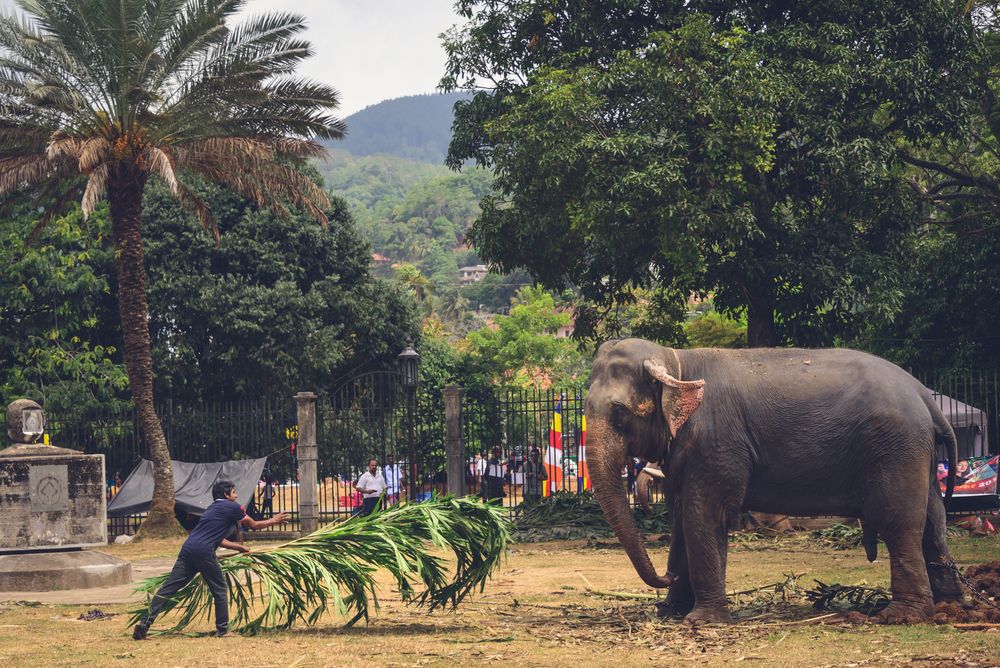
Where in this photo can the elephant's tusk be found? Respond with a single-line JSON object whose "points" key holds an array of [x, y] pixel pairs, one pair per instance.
{"points": [[655, 472]]}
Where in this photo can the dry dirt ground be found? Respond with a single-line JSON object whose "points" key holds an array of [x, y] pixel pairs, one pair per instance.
{"points": [[552, 604]]}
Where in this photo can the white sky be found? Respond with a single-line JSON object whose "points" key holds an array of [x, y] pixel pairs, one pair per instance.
{"points": [[369, 50]]}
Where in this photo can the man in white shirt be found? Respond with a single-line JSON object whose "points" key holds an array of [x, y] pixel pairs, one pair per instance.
{"points": [[393, 473], [480, 470], [371, 484]]}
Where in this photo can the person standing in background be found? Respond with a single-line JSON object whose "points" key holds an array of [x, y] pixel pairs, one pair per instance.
{"points": [[393, 474], [371, 484]]}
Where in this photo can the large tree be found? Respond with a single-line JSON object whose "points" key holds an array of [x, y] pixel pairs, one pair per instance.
{"points": [[98, 96], [278, 306], [743, 148]]}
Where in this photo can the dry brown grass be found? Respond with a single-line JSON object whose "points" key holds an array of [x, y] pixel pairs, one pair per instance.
{"points": [[536, 611]]}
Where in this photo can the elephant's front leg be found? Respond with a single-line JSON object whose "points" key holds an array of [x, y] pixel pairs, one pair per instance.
{"points": [[680, 596], [705, 537]]}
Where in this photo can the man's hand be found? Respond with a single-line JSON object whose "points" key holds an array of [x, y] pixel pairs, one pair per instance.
{"points": [[280, 517], [230, 545]]}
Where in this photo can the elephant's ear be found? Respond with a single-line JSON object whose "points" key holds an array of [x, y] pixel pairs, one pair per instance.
{"points": [[680, 398]]}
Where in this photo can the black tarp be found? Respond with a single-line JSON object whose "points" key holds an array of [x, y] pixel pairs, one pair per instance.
{"points": [[192, 485]]}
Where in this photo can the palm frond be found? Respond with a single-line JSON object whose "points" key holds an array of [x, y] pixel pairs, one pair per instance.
{"points": [[97, 186], [335, 567], [20, 171], [159, 164]]}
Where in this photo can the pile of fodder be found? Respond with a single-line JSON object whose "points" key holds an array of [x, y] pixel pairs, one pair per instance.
{"points": [[838, 536], [570, 516]]}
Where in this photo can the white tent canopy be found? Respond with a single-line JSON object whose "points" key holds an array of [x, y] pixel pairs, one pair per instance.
{"points": [[969, 424]]}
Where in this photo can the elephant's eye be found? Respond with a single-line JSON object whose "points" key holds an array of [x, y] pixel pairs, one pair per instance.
{"points": [[618, 417]]}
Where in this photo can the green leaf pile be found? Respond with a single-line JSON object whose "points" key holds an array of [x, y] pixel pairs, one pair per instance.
{"points": [[335, 567]]}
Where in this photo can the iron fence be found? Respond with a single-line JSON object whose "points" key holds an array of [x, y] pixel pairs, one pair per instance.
{"points": [[374, 417], [195, 433], [971, 403]]}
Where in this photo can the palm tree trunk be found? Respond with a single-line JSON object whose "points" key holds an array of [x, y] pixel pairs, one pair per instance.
{"points": [[125, 190]]}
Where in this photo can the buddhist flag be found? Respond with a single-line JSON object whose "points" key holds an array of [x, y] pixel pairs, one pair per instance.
{"points": [[553, 453], [582, 475]]}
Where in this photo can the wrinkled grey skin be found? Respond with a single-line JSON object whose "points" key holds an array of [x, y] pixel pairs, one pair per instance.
{"points": [[797, 432]]}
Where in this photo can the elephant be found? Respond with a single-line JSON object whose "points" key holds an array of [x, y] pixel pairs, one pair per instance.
{"points": [[776, 430]]}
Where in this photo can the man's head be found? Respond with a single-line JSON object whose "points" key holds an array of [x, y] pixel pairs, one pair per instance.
{"points": [[373, 466], [223, 490], [391, 459], [535, 454], [497, 451]]}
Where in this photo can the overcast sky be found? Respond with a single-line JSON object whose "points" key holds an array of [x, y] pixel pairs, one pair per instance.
{"points": [[372, 50], [369, 50]]}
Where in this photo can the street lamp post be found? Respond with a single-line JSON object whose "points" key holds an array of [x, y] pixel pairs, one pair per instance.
{"points": [[409, 367]]}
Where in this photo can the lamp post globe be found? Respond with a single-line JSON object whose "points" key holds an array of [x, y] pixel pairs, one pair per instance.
{"points": [[409, 365]]}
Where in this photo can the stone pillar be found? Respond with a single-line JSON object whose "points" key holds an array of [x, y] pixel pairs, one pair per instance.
{"points": [[306, 451], [455, 453]]}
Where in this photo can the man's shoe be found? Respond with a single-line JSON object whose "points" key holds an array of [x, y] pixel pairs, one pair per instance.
{"points": [[221, 634], [139, 632]]}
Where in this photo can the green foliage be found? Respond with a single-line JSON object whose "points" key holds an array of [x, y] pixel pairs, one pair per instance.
{"points": [[407, 209], [656, 314], [279, 305], [522, 350], [839, 536], [335, 567], [495, 292], [714, 330], [571, 516], [57, 314], [750, 151]]}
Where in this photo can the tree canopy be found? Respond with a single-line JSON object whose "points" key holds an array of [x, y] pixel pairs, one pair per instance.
{"points": [[745, 149]]}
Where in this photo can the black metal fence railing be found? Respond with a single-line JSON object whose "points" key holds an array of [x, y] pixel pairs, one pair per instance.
{"points": [[374, 416], [200, 434], [521, 420], [971, 403]]}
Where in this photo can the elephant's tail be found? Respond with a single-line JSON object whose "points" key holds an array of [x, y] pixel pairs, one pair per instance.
{"points": [[944, 437]]}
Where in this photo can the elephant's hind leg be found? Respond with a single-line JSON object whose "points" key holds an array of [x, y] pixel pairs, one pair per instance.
{"points": [[944, 582], [902, 531]]}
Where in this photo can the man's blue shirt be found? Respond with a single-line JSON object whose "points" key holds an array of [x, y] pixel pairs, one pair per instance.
{"points": [[215, 524]]}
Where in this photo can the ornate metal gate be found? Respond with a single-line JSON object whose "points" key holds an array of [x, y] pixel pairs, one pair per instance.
{"points": [[375, 416]]}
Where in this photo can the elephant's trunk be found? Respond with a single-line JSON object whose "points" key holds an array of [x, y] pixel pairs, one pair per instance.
{"points": [[605, 457]]}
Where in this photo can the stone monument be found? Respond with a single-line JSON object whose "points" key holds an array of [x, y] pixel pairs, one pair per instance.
{"points": [[53, 505]]}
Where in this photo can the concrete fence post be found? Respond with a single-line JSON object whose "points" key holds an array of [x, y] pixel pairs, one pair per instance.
{"points": [[305, 403], [454, 451]]}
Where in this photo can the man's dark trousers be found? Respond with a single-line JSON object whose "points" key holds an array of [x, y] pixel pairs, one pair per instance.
{"points": [[187, 566], [367, 506]]}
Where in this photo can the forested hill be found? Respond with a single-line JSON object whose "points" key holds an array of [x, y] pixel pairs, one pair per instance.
{"points": [[417, 127]]}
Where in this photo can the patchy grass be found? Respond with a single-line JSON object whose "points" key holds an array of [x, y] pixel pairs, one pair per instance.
{"points": [[540, 608]]}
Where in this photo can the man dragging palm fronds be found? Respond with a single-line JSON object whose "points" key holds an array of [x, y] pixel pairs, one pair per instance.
{"points": [[197, 555]]}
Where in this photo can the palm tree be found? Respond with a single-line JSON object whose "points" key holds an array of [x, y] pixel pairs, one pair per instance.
{"points": [[98, 96]]}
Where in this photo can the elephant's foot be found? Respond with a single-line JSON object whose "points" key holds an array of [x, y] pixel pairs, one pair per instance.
{"points": [[708, 615], [905, 613], [944, 584], [676, 609]]}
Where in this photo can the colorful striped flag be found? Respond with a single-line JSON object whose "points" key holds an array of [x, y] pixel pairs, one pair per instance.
{"points": [[582, 475], [553, 453]]}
